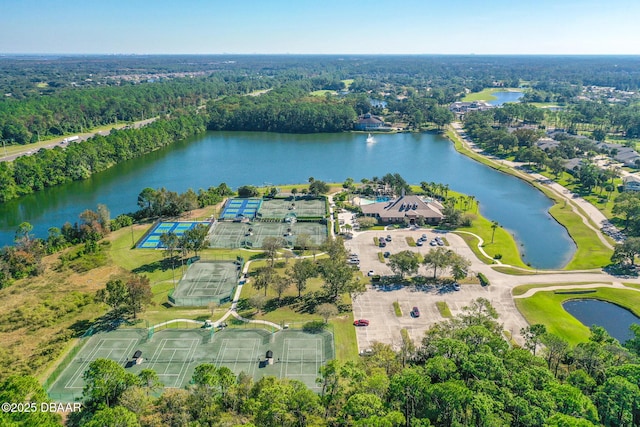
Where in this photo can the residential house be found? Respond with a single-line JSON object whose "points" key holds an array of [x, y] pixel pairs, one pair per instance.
{"points": [[368, 122]]}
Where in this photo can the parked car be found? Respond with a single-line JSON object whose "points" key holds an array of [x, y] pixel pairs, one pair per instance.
{"points": [[456, 287], [370, 273], [424, 237], [419, 243], [382, 244], [415, 312], [361, 322], [388, 238], [386, 254], [433, 243]]}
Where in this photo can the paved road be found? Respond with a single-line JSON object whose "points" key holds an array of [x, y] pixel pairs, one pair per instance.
{"points": [[376, 304], [59, 142]]}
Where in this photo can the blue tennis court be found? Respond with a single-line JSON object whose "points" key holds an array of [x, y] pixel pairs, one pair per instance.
{"points": [[241, 208], [152, 239]]}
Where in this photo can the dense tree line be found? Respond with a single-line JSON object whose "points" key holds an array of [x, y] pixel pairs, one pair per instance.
{"points": [[287, 109], [74, 110], [79, 160]]}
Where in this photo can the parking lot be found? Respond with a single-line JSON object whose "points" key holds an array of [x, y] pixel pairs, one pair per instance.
{"points": [[376, 304]]}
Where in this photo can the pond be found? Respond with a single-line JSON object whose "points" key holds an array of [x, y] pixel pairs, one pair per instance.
{"points": [[259, 158], [505, 96], [613, 318]]}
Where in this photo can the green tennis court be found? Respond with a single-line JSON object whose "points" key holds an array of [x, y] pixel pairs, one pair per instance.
{"points": [[205, 282], [175, 353], [237, 235], [304, 207]]}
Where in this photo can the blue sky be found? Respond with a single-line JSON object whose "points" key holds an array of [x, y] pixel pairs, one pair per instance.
{"points": [[320, 26]]}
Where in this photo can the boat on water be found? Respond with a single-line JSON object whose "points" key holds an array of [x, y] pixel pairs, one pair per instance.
{"points": [[370, 138]]}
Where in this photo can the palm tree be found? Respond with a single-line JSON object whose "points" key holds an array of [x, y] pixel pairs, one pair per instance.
{"points": [[494, 225]]}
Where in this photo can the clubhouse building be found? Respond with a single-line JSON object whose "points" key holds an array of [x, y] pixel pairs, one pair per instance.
{"points": [[405, 208]]}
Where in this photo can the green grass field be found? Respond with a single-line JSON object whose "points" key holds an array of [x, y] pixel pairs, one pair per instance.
{"points": [[486, 94], [546, 308], [590, 253]]}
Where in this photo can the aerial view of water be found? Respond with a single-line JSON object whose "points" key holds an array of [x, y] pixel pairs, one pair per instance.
{"points": [[257, 158], [613, 318]]}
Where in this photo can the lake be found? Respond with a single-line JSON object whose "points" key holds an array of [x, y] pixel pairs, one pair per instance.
{"points": [[504, 97], [256, 158], [613, 318]]}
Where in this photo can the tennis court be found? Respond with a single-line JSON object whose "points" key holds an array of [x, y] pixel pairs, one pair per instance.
{"points": [[175, 353], [205, 282], [241, 208], [239, 235], [304, 207], [151, 240]]}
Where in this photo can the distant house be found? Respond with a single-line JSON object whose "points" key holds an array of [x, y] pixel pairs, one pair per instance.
{"points": [[571, 165], [368, 122], [631, 183], [405, 208], [460, 108], [546, 144], [623, 154]]}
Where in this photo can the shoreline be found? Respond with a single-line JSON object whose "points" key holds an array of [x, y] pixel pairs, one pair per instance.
{"points": [[554, 194]]}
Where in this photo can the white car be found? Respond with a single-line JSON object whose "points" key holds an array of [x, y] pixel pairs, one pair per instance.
{"points": [[370, 273]]}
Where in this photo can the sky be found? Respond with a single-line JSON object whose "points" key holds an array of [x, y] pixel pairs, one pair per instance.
{"points": [[320, 27]]}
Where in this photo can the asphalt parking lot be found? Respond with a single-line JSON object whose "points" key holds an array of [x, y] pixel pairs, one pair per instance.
{"points": [[376, 304]]}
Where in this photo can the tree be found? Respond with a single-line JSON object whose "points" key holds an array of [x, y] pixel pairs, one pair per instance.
{"points": [[338, 278], [271, 245], [366, 222], [404, 262], [617, 399], [150, 381], [117, 416], [303, 241], [263, 277], [555, 350], [327, 310], [281, 284], [170, 242], [459, 266], [196, 238], [23, 235], [104, 382], [494, 225], [302, 270], [318, 187], [248, 191], [437, 258], [626, 251], [532, 336], [114, 294], [138, 293], [258, 301]]}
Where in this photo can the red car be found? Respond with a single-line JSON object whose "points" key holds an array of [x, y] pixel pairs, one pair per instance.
{"points": [[361, 322]]}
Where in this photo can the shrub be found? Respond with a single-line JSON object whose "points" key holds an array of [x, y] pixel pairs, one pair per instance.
{"points": [[314, 327], [483, 279]]}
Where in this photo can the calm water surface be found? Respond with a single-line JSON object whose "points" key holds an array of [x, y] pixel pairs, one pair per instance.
{"points": [[240, 158], [613, 318], [507, 96]]}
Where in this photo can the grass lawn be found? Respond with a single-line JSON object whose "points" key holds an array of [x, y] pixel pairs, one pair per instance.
{"points": [[503, 243], [513, 271], [590, 253], [522, 289], [444, 310], [486, 94], [323, 92], [297, 311], [546, 308]]}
